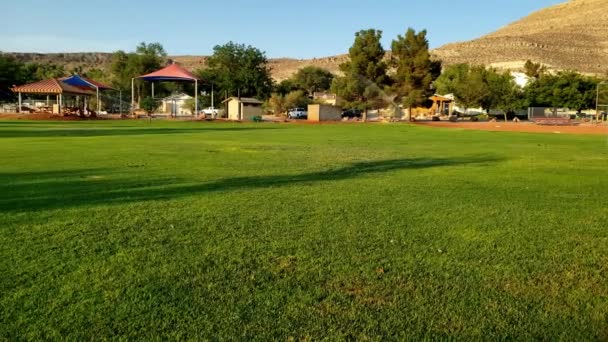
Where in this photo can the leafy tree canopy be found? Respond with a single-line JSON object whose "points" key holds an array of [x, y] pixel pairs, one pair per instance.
{"points": [[312, 79], [237, 68], [566, 89], [13, 72]]}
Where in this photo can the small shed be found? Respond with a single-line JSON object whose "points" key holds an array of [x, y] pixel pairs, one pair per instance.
{"points": [[175, 105], [323, 112], [242, 109]]}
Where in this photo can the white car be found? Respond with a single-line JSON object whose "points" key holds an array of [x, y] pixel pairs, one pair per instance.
{"points": [[297, 113], [213, 112]]}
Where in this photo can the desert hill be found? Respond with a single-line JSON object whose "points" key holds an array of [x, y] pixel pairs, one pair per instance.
{"points": [[282, 68], [572, 35]]}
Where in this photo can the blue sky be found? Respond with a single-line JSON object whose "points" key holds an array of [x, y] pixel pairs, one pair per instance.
{"points": [[286, 28]]}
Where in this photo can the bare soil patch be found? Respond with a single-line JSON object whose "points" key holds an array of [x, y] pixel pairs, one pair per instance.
{"points": [[599, 129], [53, 117]]}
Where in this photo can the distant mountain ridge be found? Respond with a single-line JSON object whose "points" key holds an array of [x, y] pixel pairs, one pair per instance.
{"points": [[572, 35]]}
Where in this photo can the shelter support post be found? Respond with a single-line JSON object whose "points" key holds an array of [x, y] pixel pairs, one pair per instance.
{"points": [[196, 97], [47, 100], [132, 96], [19, 109], [152, 89], [60, 103], [98, 103]]}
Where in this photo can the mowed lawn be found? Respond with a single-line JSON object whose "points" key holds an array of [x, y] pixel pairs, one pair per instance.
{"points": [[163, 230]]}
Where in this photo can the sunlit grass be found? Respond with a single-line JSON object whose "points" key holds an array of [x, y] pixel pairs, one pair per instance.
{"points": [[272, 231]]}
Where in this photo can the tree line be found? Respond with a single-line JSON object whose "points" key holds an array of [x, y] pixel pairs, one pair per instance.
{"points": [[14, 72], [488, 88], [372, 78]]}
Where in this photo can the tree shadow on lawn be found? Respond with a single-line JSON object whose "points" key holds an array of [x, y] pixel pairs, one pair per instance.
{"points": [[72, 188], [78, 132]]}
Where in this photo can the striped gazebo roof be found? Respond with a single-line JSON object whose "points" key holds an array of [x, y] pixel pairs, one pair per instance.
{"points": [[52, 86]]}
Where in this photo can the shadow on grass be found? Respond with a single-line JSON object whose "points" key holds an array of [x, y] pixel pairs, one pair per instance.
{"points": [[71, 188]]}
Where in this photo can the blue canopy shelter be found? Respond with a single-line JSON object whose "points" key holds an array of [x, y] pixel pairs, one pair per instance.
{"points": [[85, 83]]}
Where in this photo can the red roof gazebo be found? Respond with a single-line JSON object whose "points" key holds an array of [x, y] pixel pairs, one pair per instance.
{"points": [[74, 86], [171, 73]]}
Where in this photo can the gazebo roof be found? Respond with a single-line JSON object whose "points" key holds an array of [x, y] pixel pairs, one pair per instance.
{"points": [[441, 98], [172, 72], [248, 100], [80, 81], [52, 86]]}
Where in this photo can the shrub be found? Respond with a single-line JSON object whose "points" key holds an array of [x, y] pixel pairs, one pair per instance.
{"points": [[149, 105]]}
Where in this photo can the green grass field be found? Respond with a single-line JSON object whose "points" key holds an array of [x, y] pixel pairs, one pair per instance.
{"points": [[126, 229]]}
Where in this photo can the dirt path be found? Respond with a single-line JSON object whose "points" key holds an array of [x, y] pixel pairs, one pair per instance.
{"points": [[521, 127]]}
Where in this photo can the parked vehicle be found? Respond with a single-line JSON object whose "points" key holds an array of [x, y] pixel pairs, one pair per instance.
{"points": [[297, 113], [351, 113], [212, 112]]}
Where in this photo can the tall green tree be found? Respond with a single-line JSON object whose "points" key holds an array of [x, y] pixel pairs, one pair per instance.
{"points": [[286, 86], [239, 69], [11, 73], [467, 83], [365, 76], [312, 79], [414, 69], [566, 89], [502, 92], [126, 66], [150, 57], [478, 86]]}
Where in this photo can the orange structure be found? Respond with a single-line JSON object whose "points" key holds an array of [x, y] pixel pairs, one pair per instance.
{"points": [[441, 104]]}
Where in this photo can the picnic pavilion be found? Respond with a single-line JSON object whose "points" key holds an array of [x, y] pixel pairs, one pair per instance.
{"points": [[61, 88], [171, 73]]}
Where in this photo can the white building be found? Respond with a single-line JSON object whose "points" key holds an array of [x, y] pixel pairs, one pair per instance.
{"points": [[175, 105], [521, 79]]}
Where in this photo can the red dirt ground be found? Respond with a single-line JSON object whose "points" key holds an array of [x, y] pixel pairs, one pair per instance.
{"points": [[521, 127], [46, 117], [601, 129]]}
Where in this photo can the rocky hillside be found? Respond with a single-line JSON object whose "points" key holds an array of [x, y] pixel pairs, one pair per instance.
{"points": [[282, 68], [572, 35]]}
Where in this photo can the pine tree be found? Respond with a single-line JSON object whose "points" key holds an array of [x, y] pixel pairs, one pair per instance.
{"points": [[365, 73], [415, 71]]}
